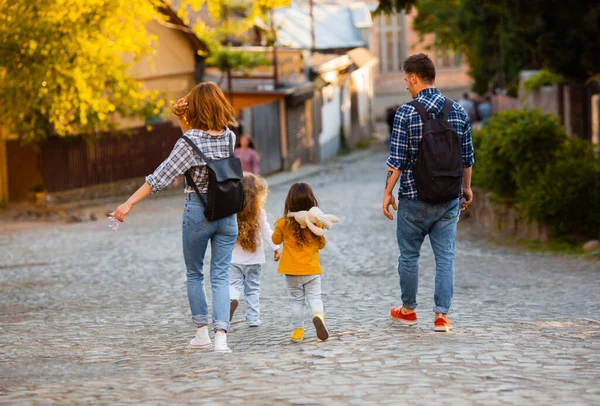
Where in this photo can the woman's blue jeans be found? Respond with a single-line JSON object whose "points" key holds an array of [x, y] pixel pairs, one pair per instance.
{"points": [[222, 234]]}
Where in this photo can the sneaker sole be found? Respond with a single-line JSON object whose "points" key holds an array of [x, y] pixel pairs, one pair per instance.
{"points": [[402, 321], [322, 333], [227, 351], [297, 340], [442, 329], [201, 347], [233, 305]]}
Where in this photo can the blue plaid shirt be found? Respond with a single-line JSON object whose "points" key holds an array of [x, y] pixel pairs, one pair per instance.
{"points": [[183, 157], [408, 124]]}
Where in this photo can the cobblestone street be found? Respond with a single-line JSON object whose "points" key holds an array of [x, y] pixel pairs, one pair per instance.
{"points": [[89, 316]]}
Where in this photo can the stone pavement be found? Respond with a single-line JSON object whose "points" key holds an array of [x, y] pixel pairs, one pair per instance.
{"points": [[89, 316]]}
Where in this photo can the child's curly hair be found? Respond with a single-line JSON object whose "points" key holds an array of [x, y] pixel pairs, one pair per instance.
{"points": [[300, 197], [255, 196]]}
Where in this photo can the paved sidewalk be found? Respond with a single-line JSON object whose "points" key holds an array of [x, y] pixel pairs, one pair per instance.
{"points": [[89, 316]]}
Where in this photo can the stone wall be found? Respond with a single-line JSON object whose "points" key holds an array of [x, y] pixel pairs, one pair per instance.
{"points": [[546, 98], [97, 192], [503, 219]]}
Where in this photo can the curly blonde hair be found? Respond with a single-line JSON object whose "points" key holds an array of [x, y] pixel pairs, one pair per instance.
{"points": [[300, 197], [255, 196]]}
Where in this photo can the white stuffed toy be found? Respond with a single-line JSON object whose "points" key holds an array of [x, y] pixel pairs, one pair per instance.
{"points": [[312, 218]]}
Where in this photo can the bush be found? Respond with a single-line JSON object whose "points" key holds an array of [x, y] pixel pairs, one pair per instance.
{"points": [[543, 78], [513, 148], [566, 194], [526, 156]]}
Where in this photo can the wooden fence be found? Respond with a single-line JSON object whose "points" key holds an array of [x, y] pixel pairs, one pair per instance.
{"points": [[71, 163]]}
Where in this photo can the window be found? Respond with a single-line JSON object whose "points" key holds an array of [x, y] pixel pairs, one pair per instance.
{"points": [[447, 58], [392, 43]]}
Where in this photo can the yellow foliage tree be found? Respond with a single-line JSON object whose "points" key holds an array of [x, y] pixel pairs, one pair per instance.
{"points": [[64, 68], [65, 64], [231, 21]]}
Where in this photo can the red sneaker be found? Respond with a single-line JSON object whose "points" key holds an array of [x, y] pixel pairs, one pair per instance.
{"points": [[396, 314], [442, 324]]}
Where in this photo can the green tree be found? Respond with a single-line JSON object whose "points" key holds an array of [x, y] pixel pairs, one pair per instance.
{"points": [[501, 38], [394, 6]]}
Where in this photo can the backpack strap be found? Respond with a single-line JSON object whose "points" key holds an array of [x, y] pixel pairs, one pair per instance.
{"points": [[188, 175], [448, 103], [231, 143], [420, 109]]}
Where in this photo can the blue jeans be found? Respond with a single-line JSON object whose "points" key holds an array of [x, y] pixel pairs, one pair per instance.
{"points": [[304, 290], [222, 234], [416, 219], [246, 279]]}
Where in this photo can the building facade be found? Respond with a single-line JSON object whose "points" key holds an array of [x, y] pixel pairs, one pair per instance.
{"points": [[393, 40]]}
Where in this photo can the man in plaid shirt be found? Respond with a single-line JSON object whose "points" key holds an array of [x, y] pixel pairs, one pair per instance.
{"points": [[417, 218]]}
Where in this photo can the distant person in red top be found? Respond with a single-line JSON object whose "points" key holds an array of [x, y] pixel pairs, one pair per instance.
{"points": [[247, 154]]}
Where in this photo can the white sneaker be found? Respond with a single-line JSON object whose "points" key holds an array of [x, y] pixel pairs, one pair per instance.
{"points": [[221, 342], [202, 340], [254, 323]]}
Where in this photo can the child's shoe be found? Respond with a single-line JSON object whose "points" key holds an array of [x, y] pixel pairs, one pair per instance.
{"points": [[319, 322], [298, 335], [254, 323], [233, 304], [221, 342], [202, 340]]}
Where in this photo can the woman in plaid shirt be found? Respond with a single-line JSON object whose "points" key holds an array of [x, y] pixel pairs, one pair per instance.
{"points": [[204, 115]]}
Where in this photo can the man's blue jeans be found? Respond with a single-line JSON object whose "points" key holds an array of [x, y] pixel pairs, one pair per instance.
{"points": [[416, 219], [222, 234]]}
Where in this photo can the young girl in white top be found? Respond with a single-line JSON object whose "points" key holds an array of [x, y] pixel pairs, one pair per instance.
{"points": [[248, 254]]}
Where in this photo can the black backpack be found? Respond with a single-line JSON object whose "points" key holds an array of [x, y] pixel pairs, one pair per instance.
{"points": [[439, 169], [225, 191]]}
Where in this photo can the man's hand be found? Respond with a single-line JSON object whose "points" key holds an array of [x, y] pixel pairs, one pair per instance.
{"points": [[388, 199], [468, 198]]}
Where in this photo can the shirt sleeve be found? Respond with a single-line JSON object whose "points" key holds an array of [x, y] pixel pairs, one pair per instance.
{"points": [[468, 154], [179, 161], [399, 158], [266, 232], [277, 237]]}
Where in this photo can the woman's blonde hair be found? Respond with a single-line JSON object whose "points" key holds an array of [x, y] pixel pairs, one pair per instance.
{"points": [[255, 196], [208, 108]]}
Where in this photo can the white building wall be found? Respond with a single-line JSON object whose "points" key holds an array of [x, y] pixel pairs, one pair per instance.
{"points": [[331, 116]]}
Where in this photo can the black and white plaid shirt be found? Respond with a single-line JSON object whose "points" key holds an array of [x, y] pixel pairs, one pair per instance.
{"points": [[182, 158]]}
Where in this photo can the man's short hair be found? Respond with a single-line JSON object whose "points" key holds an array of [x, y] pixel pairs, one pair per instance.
{"points": [[422, 66]]}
